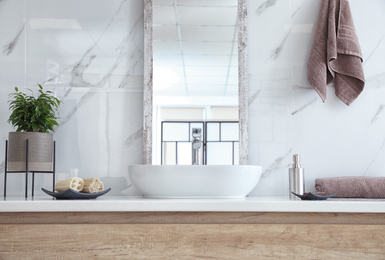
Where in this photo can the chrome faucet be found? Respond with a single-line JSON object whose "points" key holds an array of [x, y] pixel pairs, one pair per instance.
{"points": [[196, 145]]}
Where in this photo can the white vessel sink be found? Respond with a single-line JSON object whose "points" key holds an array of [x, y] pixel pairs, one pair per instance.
{"points": [[194, 181]]}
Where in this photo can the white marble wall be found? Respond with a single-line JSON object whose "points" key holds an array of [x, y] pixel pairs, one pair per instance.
{"points": [[286, 116], [90, 53]]}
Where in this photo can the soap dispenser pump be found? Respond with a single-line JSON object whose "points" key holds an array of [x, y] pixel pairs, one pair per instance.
{"points": [[296, 178]]}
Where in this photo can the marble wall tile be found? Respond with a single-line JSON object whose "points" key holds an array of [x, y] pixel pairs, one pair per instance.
{"points": [[12, 43], [346, 140], [269, 91], [267, 44], [93, 61], [332, 138], [69, 44], [90, 54]]}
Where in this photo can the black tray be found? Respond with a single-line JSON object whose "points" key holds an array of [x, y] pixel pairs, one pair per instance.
{"points": [[311, 196], [74, 195]]}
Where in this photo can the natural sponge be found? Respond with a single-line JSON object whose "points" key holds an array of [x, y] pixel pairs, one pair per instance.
{"points": [[74, 183], [92, 185]]}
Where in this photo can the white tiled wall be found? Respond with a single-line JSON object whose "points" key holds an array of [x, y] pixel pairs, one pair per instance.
{"points": [[286, 116], [90, 53]]}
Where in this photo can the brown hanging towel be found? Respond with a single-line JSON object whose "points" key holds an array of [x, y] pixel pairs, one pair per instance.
{"points": [[335, 55]]}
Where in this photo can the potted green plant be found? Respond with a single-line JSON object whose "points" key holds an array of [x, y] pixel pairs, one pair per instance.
{"points": [[34, 119]]}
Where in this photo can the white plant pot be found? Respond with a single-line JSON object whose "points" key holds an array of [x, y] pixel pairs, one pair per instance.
{"points": [[40, 151]]}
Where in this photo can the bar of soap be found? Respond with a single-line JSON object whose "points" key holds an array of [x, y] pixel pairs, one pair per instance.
{"points": [[73, 183], [92, 185]]}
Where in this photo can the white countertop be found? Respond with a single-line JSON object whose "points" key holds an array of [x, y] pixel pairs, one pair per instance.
{"points": [[137, 204]]}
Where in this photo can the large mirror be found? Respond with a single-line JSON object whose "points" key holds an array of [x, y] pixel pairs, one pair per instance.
{"points": [[195, 76]]}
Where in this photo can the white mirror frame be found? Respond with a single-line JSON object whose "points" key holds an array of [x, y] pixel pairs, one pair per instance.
{"points": [[242, 82]]}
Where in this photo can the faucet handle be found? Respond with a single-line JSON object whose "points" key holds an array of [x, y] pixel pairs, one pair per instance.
{"points": [[196, 132]]}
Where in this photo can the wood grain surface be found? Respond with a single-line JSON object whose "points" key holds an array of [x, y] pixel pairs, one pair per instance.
{"points": [[190, 218], [191, 241], [191, 235]]}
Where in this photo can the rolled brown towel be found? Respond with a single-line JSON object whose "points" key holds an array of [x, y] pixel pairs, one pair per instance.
{"points": [[352, 187]]}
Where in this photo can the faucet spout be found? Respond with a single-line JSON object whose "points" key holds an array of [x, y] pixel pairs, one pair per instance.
{"points": [[196, 145]]}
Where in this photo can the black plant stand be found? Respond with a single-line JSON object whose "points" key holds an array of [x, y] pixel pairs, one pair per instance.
{"points": [[27, 171]]}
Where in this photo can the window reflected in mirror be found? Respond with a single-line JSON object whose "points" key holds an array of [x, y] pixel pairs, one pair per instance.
{"points": [[195, 80], [219, 135]]}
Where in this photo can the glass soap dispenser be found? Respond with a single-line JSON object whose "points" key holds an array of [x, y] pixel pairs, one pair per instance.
{"points": [[296, 178]]}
